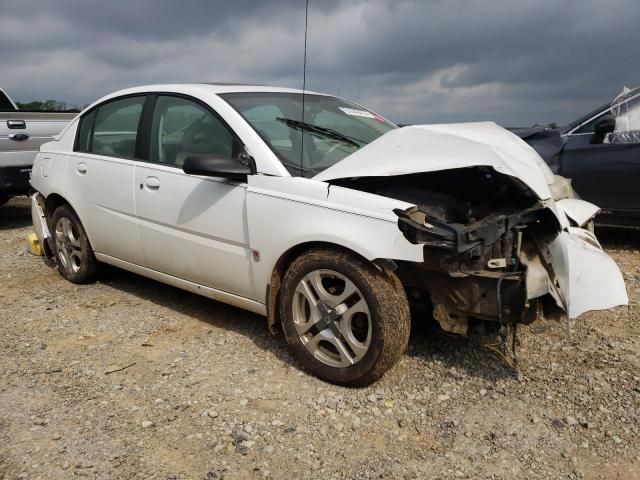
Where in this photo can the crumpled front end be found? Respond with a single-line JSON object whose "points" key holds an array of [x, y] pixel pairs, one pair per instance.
{"points": [[515, 263], [502, 235]]}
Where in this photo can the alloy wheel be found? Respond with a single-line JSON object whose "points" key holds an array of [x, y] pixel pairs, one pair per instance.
{"points": [[68, 245], [332, 318]]}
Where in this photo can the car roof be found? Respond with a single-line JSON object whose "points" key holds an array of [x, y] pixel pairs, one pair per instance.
{"points": [[208, 87], [194, 89]]}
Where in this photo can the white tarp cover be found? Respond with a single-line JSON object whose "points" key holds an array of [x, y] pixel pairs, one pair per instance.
{"points": [[626, 109]]}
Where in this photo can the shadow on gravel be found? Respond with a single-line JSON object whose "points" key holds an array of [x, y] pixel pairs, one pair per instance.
{"points": [[427, 340], [201, 308], [15, 214], [466, 354]]}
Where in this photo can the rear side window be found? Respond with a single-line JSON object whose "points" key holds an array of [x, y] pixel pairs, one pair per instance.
{"points": [[84, 133], [112, 128], [5, 104]]}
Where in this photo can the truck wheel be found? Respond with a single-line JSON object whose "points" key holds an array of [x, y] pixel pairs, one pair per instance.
{"points": [[71, 248], [344, 320]]}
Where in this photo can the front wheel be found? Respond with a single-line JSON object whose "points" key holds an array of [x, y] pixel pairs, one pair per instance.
{"points": [[344, 320], [71, 247]]}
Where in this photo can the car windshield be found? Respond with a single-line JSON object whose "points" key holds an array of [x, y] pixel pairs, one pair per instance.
{"points": [[331, 129]]}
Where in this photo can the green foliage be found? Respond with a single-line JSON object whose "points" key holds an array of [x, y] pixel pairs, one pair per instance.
{"points": [[43, 105]]}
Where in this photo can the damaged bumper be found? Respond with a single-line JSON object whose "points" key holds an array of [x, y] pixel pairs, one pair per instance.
{"points": [[515, 267], [588, 278], [40, 224]]}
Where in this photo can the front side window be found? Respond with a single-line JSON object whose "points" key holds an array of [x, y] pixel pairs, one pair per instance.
{"points": [[590, 126], [181, 128], [330, 130], [112, 128]]}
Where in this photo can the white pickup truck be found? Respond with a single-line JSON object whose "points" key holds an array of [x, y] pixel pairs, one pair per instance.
{"points": [[21, 134]]}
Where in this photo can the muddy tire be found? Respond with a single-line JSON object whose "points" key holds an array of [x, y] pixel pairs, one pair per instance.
{"points": [[71, 247], [344, 320]]}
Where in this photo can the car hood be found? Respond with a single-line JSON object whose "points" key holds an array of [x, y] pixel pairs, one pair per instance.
{"points": [[427, 148]]}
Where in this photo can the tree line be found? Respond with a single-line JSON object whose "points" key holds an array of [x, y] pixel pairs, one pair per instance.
{"points": [[50, 104]]}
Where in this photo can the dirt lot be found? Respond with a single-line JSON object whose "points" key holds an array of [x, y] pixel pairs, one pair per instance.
{"points": [[128, 378]]}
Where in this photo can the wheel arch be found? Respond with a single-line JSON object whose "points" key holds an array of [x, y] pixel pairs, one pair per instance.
{"points": [[282, 264], [55, 200]]}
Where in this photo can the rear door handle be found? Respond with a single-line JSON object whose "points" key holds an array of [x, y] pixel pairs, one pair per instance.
{"points": [[81, 168], [16, 124], [152, 183], [19, 137]]}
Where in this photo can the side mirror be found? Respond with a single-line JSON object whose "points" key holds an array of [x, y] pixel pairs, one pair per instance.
{"points": [[605, 125], [216, 166]]}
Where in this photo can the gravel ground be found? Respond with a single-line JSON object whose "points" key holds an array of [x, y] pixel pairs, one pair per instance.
{"points": [[128, 378]]}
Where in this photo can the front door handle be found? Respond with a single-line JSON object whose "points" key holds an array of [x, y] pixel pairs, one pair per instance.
{"points": [[19, 137], [152, 183], [81, 168]]}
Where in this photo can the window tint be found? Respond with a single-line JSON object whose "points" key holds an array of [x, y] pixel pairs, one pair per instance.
{"points": [[181, 128], [112, 129], [5, 104], [590, 127], [84, 132]]}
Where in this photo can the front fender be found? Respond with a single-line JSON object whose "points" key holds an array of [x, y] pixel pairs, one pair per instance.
{"points": [[284, 212]]}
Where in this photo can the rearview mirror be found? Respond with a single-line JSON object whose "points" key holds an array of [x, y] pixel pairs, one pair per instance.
{"points": [[605, 125], [216, 166]]}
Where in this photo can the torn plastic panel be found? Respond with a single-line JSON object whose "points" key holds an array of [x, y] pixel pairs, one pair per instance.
{"points": [[579, 211], [40, 224], [538, 271]]}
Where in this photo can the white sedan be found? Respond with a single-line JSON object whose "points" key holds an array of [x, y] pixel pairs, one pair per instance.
{"points": [[321, 215]]}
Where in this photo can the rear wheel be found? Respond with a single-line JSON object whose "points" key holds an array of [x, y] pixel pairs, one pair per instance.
{"points": [[71, 247], [344, 320]]}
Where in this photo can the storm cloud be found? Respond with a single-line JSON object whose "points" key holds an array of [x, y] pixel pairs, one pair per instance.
{"points": [[516, 63]]}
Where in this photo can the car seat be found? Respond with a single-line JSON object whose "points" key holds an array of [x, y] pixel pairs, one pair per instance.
{"points": [[204, 138]]}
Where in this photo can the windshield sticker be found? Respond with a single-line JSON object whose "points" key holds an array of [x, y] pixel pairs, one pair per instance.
{"points": [[357, 113]]}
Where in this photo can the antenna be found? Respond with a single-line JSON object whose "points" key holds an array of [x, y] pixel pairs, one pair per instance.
{"points": [[304, 79]]}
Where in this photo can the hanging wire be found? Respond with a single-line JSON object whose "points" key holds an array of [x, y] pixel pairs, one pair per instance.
{"points": [[501, 348], [304, 80]]}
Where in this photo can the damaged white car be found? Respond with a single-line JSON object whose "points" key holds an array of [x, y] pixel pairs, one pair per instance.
{"points": [[331, 221]]}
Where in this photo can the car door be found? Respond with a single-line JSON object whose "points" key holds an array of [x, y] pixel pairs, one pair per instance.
{"points": [[192, 227], [606, 174], [100, 174]]}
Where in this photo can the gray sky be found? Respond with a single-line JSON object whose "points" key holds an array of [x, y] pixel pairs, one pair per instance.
{"points": [[515, 62]]}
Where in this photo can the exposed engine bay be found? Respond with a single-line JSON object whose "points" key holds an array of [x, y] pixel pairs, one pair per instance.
{"points": [[485, 238]]}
